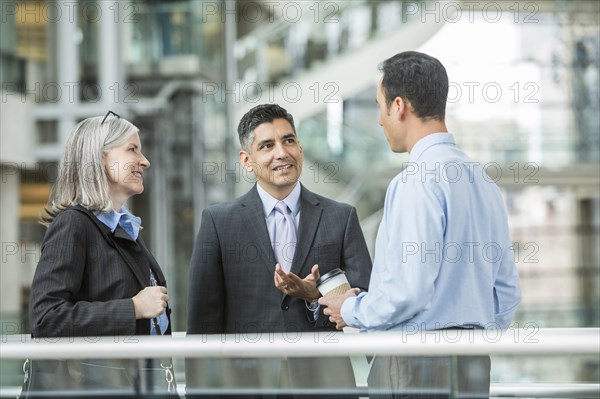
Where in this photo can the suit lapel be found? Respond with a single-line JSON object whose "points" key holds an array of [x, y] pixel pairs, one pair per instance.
{"points": [[111, 241], [310, 216], [160, 277], [140, 272], [253, 216]]}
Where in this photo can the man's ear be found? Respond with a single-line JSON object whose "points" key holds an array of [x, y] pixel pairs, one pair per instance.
{"points": [[246, 161], [399, 106]]}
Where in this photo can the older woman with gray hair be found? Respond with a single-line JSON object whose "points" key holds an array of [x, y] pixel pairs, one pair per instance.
{"points": [[95, 276]]}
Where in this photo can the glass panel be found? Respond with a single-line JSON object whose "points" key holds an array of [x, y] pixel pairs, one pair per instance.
{"points": [[359, 375]]}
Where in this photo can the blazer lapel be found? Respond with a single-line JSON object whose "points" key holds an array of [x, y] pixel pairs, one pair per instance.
{"points": [[253, 216], [310, 216], [160, 277], [141, 274], [108, 236]]}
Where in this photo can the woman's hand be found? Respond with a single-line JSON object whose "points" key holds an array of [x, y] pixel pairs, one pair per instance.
{"points": [[150, 302]]}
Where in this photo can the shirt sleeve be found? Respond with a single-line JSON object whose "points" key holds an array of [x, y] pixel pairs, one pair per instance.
{"points": [[507, 291], [406, 266]]}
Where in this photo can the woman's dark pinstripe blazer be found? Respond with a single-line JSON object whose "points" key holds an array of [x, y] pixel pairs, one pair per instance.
{"points": [[85, 280]]}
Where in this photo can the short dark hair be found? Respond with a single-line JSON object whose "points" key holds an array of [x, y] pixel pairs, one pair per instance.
{"points": [[419, 79], [264, 113]]}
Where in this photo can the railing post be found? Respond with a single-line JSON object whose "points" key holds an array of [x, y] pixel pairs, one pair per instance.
{"points": [[453, 377]]}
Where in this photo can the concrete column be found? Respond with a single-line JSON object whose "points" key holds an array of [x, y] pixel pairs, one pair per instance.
{"points": [[10, 277], [231, 153], [67, 67], [110, 70]]}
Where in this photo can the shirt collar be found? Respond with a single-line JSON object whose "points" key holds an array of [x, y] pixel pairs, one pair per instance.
{"points": [[128, 222], [292, 200], [429, 141]]}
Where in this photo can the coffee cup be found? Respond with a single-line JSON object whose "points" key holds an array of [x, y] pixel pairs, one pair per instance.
{"points": [[333, 283]]}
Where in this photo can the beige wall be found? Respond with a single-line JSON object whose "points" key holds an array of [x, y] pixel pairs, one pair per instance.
{"points": [[16, 129], [10, 278]]}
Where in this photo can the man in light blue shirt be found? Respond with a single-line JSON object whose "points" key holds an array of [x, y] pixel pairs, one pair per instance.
{"points": [[443, 256]]}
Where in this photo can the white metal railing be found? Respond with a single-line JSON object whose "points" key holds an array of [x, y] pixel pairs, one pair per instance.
{"points": [[409, 342], [524, 341], [545, 390], [497, 390]]}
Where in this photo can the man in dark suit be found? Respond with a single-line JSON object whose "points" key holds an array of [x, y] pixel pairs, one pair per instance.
{"points": [[245, 280]]}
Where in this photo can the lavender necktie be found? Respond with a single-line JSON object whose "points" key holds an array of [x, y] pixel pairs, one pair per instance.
{"points": [[285, 237]]}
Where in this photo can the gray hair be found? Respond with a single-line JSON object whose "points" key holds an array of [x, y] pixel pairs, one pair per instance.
{"points": [[82, 178]]}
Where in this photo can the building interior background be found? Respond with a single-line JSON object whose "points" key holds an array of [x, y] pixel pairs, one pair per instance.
{"points": [[524, 102]]}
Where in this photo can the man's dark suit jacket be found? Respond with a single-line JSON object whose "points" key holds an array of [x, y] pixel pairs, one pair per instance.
{"points": [[86, 277], [231, 288]]}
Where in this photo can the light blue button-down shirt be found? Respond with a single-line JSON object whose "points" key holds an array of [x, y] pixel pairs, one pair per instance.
{"points": [[129, 222], [443, 255], [271, 216]]}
